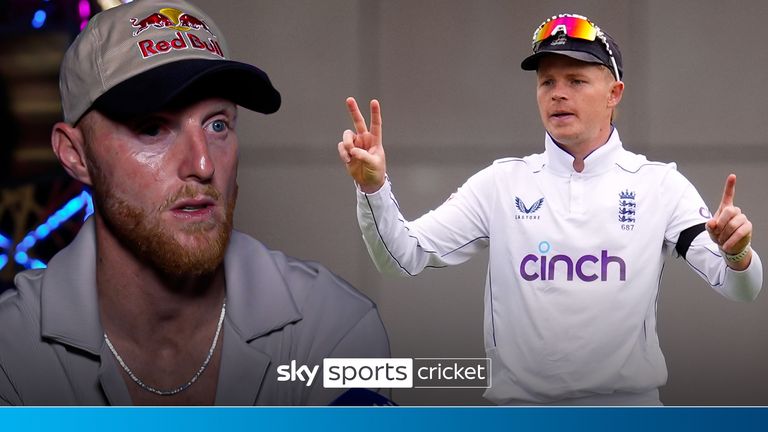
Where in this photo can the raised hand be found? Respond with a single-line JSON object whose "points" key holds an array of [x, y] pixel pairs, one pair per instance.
{"points": [[730, 228], [362, 151]]}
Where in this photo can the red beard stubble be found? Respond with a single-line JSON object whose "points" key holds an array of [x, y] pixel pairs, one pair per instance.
{"points": [[141, 231]]}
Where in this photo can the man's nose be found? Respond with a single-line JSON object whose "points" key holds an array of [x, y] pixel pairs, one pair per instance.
{"points": [[558, 92], [196, 162]]}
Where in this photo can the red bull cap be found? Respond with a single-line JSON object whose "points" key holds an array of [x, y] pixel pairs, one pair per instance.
{"points": [[142, 56]]}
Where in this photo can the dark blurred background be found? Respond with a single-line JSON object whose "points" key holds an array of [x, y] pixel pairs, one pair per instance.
{"points": [[33, 37]]}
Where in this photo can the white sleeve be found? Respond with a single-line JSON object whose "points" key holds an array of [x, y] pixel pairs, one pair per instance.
{"points": [[448, 235], [703, 255], [706, 259]]}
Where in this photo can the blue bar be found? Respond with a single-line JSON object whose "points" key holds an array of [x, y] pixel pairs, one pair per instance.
{"points": [[389, 419]]}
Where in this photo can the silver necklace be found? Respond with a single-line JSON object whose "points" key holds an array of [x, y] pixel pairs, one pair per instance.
{"points": [[184, 386]]}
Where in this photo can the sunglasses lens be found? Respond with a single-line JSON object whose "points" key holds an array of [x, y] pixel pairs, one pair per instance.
{"points": [[575, 27]]}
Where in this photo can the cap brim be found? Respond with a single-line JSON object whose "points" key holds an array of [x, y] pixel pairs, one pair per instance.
{"points": [[532, 62], [157, 88]]}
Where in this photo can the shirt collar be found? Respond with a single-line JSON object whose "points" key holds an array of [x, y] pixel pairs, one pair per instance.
{"points": [[69, 307], [258, 298], [559, 161]]}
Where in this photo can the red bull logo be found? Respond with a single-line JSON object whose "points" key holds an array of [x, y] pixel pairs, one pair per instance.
{"points": [[150, 48], [169, 18], [181, 22]]}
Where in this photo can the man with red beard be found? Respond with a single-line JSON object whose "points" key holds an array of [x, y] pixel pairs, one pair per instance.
{"points": [[157, 300]]}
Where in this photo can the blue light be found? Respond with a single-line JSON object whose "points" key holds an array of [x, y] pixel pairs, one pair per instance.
{"points": [[73, 206], [5, 242], [38, 20], [27, 243], [36, 264], [3, 260], [44, 230], [21, 258], [89, 207]]}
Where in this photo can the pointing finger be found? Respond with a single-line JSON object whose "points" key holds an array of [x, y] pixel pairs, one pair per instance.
{"points": [[357, 116], [729, 191]]}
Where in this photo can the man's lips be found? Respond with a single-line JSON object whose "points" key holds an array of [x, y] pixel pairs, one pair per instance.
{"points": [[193, 207], [561, 114]]}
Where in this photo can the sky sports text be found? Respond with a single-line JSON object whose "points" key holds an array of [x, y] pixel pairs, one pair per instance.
{"points": [[392, 373]]}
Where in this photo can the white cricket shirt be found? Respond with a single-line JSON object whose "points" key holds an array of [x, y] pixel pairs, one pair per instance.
{"points": [[574, 269]]}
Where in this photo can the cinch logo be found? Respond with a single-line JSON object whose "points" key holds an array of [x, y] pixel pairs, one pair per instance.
{"points": [[587, 268]]}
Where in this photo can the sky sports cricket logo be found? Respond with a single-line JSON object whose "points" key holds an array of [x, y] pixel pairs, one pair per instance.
{"points": [[392, 373]]}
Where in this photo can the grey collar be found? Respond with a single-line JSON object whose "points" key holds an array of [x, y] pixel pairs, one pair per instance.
{"points": [[258, 298]]}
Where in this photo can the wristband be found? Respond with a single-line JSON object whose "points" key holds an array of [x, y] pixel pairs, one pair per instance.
{"points": [[739, 256]]}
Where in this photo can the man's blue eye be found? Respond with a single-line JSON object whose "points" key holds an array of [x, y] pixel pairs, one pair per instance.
{"points": [[219, 126]]}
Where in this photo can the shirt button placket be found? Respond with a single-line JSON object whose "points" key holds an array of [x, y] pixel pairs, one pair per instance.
{"points": [[577, 193]]}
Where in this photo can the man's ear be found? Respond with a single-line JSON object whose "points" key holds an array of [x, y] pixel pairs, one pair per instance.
{"points": [[617, 91], [69, 145]]}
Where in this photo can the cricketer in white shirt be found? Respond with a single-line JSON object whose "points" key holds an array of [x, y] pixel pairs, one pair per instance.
{"points": [[578, 236], [575, 264]]}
